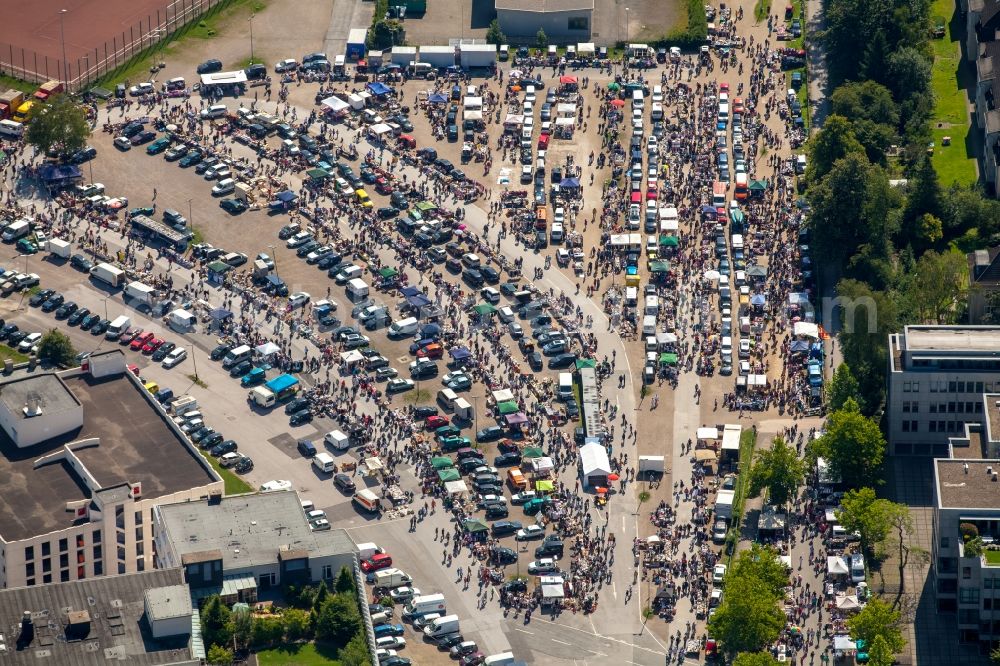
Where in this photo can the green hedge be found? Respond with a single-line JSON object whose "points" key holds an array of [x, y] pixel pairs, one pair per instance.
{"points": [[696, 31]]}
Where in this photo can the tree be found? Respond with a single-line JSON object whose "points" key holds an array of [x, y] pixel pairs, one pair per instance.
{"points": [[877, 619], [338, 620], [991, 313], [779, 470], [924, 194], [60, 124], [345, 581], [879, 654], [867, 318], [541, 39], [761, 563], [864, 100], [755, 659], [296, 624], [930, 230], [241, 623], [215, 625], [935, 291], [56, 347], [220, 656], [355, 653], [842, 386], [267, 631], [748, 619], [835, 141], [863, 512], [494, 35], [853, 445]]}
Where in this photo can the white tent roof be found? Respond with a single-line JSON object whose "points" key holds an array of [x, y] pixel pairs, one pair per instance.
{"points": [[836, 566], [806, 329], [848, 602], [352, 356], [514, 119], [542, 464], [664, 338], [708, 433], [503, 395], [335, 104], [565, 121], [474, 102], [552, 592], [181, 313], [585, 47], [594, 459], [456, 487], [564, 109], [224, 78], [844, 644], [268, 348], [472, 114], [381, 128]]}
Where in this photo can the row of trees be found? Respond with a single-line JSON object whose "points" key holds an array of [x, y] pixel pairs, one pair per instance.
{"points": [[316, 613], [890, 247]]}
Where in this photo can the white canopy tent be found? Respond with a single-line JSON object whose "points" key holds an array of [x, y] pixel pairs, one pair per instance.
{"points": [[267, 349], [351, 357], [848, 602], [594, 463], [564, 109], [806, 329], [224, 78], [473, 102], [472, 114], [380, 128], [585, 49], [503, 395], [513, 119], [456, 487], [336, 105], [836, 566], [542, 465], [708, 433], [666, 338], [565, 122]]}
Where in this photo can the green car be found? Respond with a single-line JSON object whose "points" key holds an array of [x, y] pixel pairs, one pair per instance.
{"points": [[26, 246], [254, 377], [447, 431], [531, 507], [158, 146], [454, 443], [142, 210], [191, 159]]}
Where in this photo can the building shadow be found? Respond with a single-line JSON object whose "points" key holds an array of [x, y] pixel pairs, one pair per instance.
{"points": [[482, 14]]}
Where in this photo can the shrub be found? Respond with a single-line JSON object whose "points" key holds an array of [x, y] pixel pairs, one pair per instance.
{"points": [[969, 531]]}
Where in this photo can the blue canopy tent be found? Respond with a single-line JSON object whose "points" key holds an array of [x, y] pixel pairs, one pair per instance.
{"points": [[570, 183], [758, 299], [59, 175], [799, 346], [220, 314], [460, 354], [430, 330], [417, 300], [378, 89], [437, 98], [406, 292]]}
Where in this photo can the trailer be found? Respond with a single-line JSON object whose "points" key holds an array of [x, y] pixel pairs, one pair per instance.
{"points": [[356, 40], [153, 231], [438, 57], [279, 389], [58, 247], [108, 274], [477, 55], [402, 55], [9, 101], [138, 294], [48, 89]]}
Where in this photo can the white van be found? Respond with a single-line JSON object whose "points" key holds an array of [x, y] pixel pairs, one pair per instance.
{"points": [[652, 305], [224, 186], [335, 439], [649, 325], [737, 242], [237, 355], [565, 391], [11, 128], [638, 99], [214, 111], [657, 111], [446, 398], [324, 462], [403, 327]]}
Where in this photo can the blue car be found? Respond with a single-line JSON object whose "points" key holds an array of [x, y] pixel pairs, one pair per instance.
{"points": [[388, 630]]}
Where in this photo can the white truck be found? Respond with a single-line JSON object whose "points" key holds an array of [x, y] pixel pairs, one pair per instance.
{"points": [[391, 577], [279, 389], [724, 504], [108, 274], [138, 294], [357, 289], [57, 247], [500, 659], [403, 327], [117, 327], [15, 230], [424, 604]]}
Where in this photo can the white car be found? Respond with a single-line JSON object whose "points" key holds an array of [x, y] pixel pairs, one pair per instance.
{"points": [[29, 342], [744, 348], [144, 88], [224, 186], [633, 216], [218, 172], [490, 295], [286, 65], [404, 593], [298, 299], [719, 573], [543, 566], [452, 376], [320, 525], [390, 643], [175, 357], [529, 533], [122, 143]]}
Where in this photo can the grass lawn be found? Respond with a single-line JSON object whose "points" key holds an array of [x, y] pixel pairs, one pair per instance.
{"points": [[992, 556], [16, 356], [234, 484], [299, 654], [949, 79], [17, 84]]}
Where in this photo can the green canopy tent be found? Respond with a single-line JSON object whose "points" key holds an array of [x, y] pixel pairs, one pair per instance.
{"points": [[415, 215], [475, 526], [668, 358], [318, 174], [445, 475], [585, 363], [442, 462], [426, 207], [508, 407], [530, 452], [757, 187], [219, 267], [544, 485], [388, 272], [484, 309], [614, 86], [659, 267], [668, 241]]}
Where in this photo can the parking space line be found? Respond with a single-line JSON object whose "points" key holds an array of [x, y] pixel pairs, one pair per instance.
{"points": [[555, 640], [523, 631]]}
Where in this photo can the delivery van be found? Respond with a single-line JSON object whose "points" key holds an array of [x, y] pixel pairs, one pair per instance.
{"points": [[237, 355], [649, 325], [367, 500], [324, 462], [446, 398], [441, 626], [403, 327]]}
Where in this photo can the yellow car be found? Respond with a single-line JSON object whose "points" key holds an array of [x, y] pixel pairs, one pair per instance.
{"points": [[363, 198]]}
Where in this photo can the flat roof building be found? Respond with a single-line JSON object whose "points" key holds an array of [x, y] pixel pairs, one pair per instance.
{"points": [[234, 546], [937, 376], [564, 21], [75, 505], [95, 622]]}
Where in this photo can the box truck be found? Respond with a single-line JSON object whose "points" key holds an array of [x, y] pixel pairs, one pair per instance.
{"points": [[138, 294], [651, 464], [724, 504], [357, 289], [367, 500], [108, 274], [279, 389], [337, 440], [58, 247], [403, 327]]}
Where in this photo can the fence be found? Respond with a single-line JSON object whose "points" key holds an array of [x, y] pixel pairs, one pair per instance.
{"points": [[28, 65]]}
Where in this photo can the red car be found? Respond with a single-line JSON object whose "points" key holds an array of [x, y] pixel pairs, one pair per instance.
{"points": [[738, 105], [436, 421], [376, 562], [651, 192], [152, 346], [129, 335], [382, 186], [141, 340], [723, 87], [432, 351]]}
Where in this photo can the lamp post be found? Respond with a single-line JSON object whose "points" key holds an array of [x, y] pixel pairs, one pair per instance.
{"points": [[62, 38]]}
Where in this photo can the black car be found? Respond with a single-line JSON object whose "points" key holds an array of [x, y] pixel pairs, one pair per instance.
{"points": [[505, 528], [489, 434], [240, 369], [256, 71], [132, 128], [297, 405], [40, 297], [387, 212], [497, 510], [220, 352], [244, 465], [201, 433], [143, 137], [66, 309], [55, 300], [418, 412], [345, 483], [77, 316], [228, 446], [100, 327], [81, 263], [448, 641], [298, 418], [305, 446], [8, 330], [212, 440], [561, 361], [535, 361], [398, 199], [15, 338], [508, 459], [210, 66], [551, 547], [89, 321], [516, 585], [490, 274], [163, 350], [84, 155], [502, 556]]}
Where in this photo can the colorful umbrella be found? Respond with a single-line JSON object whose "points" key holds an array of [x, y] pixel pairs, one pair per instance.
{"points": [[613, 477], [618, 103]]}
